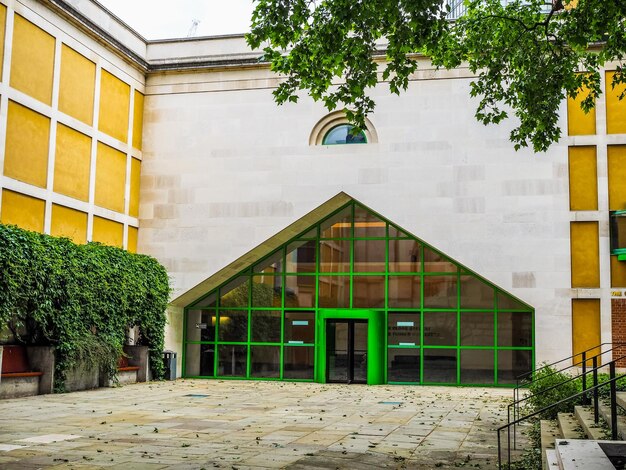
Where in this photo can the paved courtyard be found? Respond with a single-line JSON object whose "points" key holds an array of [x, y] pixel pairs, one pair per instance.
{"points": [[245, 424]]}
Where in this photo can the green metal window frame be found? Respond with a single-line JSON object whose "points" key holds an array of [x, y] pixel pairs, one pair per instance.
{"points": [[374, 315]]}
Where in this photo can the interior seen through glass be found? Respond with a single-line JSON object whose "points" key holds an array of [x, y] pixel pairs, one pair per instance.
{"points": [[444, 324]]}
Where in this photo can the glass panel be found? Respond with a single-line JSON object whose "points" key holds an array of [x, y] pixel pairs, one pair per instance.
{"points": [[300, 291], [404, 291], [235, 293], [397, 233], [271, 265], [506, 302], [359, 352], [298, 362], [403, 365], [404, 256], [343, 134], [334, 291], [233, 325], [369, 256], [512, 364], [367, 224], [200, 325], [265, 361], [199, 360], [299, 327], [515, 329], [476, 294], [338, 226], [232, 360], [368, 292], [310, 234], [403, 328], [301, 257], [266, 326], [440, 292], [337, 347], [477, 366], [440, 328], [440, 365], [335, 256], [437, 263], [618, 230], [477, 329], [267, 291], [209, 301]]}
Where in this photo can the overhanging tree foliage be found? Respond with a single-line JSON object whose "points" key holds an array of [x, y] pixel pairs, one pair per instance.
{"points": [[527, 54], [81, 299]]}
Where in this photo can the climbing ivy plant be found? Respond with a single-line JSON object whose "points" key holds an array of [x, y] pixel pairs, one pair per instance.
{"points": [[81, 299]]}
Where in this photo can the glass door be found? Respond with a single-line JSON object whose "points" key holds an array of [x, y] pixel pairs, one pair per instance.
{"points": [[346, 351]]}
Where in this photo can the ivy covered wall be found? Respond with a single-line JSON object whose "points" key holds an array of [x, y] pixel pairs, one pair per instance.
{"points": [[81, 299]]}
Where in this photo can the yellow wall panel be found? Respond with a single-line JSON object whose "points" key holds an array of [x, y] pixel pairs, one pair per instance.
{"points": [[137, 120], [3, 22], [615, 109], [617, 177], [21, 210], [133, 233], [26, 151], [579, 122], [32, 60], [585, 254], [110, 178], [618, 272], [107, 232], [114, 106], [585, 325], [77, 85], [583, 179], [72, 162], [69, 223], [135, 172]]}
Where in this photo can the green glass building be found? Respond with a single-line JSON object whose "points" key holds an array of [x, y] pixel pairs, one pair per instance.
{"points": [[357, 299]]}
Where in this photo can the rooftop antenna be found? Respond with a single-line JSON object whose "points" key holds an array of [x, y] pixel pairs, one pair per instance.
{"points": [[193, 29]]}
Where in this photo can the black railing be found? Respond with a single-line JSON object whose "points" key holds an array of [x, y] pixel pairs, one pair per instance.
{"points": [[527, 378], [582, 395]]}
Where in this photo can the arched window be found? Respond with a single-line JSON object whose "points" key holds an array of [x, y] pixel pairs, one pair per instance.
{"points": [[334, 129], [344, 134]]}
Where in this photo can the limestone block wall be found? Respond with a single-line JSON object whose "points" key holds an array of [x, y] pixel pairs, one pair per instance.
{"points": [[224, 169]]}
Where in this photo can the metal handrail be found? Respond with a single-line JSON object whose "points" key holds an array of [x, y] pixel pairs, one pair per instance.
{"points": [[530, 372], [613, 404], [583, 362]]}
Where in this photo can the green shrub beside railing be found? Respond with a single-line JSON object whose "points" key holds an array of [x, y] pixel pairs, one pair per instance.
{"points": [[81, 299]]}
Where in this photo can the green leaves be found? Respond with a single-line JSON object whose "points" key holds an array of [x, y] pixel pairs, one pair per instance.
{"points": [[82, 299], [527, 55]]}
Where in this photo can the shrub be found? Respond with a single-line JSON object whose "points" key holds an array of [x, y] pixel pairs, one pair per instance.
{"points": [[82, 299], [541, 393]]}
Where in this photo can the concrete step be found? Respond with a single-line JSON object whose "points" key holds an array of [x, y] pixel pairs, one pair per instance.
{"points": [[605, 412], [552, 460], [569, 427], [549, 432], [621, 399], [584, 415], [580, 454]]}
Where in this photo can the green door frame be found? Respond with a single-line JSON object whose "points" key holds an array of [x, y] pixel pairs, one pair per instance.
{"points": [[376, 341]]}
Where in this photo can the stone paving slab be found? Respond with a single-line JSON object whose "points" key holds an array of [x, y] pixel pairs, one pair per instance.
{"points": [[195, 424]]}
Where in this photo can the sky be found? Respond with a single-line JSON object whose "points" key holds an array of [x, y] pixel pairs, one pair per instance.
{"points": [[160, 19]]}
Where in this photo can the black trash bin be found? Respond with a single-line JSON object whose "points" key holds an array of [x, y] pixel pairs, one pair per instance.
{"points": [[169, 361]]}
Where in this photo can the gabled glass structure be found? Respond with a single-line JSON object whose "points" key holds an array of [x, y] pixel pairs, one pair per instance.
{"points": [[356, 299]]}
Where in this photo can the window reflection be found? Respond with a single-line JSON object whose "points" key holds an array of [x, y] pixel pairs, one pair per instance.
{"points": [[344, 134], [404, 256]]}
